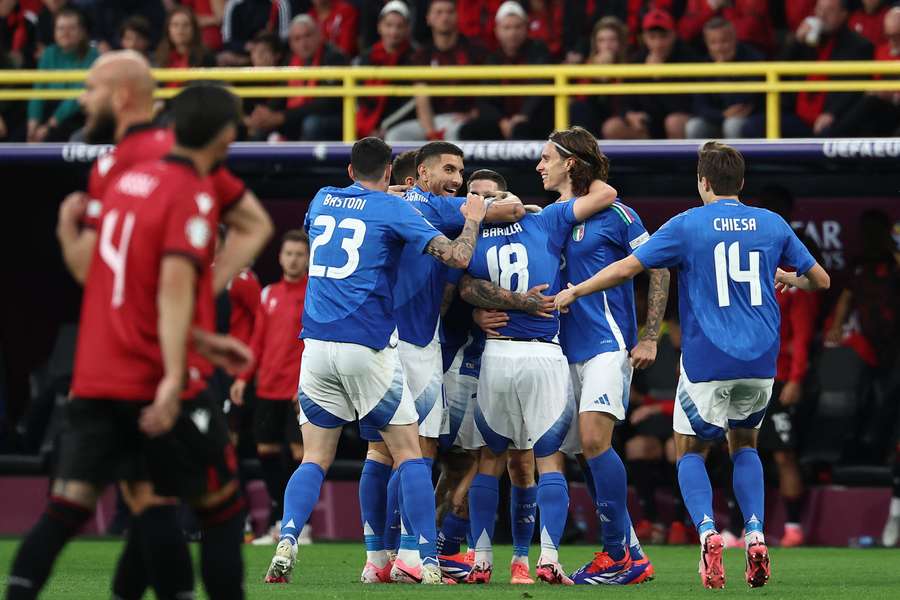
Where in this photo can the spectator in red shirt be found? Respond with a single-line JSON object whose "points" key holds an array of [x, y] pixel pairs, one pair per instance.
{"points": [[609, 46], [277, 350], [442, 117], [304, 118], [476, 20], [799, 310], [375, 114], [209, 16], [579, 16], [545, 23], [17, 34], [512, 117], [655, 116], [868, 20], [796, 11], [876, 114], [182, 46], [339, 21], [750, 18], [824, 36]]}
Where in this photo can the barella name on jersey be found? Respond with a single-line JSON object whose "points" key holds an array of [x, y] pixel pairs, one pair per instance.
{"points": [[342, 202], [495, 231], [720, 224]]}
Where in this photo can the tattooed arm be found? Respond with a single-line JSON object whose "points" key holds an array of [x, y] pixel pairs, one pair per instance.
{"points": [[458, 253], [644, 354], [486, 294]]}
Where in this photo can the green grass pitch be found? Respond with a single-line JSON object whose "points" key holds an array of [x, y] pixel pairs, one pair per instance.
{"points": [[326, 571]]}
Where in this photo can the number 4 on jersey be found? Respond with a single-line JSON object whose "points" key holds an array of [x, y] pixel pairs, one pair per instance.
{"points": [[731, 267]]}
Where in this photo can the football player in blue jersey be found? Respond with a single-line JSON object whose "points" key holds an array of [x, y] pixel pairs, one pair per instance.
{"points": [[599, 339], [522, 403], [350, 366], [462, 344], [728, 256], [418, 294]]}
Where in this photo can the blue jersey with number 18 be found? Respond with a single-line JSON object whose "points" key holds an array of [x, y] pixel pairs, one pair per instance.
{"points": [[726, 254], [519, 256], [356, 236]]}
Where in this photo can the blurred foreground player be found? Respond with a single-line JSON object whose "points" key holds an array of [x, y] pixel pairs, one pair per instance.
{"points": [[277, 350], [350, 367], [728, 256], [118, 103], [146, 288]]}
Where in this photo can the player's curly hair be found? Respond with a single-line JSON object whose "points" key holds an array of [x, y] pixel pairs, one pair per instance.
{"points": [[589, 164]]}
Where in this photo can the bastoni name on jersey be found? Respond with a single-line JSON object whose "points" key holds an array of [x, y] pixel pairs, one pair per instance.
{"points": [[342, 202]]}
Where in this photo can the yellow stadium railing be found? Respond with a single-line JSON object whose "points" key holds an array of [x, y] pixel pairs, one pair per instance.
{"points": [[558, 81]]}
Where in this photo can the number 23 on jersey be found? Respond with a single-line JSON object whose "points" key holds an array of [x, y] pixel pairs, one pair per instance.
{"points": [[350, 244]]}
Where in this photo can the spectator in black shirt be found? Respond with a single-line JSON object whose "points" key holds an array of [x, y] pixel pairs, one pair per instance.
{"points": [[109, 15], [723, 114], [441, 117], [654, 116], [512, 117], [243, 19]]}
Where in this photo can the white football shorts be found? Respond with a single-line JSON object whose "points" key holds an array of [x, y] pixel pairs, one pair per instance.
{"points": [[342, 382], [522, 398], [461, 392], [423, 369], [709, 408]]}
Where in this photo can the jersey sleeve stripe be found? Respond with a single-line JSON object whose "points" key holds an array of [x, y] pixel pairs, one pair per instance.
{"points": [[622, 212]]}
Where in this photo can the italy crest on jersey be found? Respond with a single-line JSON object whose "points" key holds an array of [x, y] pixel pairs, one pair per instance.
{"points": [[578, 232]]}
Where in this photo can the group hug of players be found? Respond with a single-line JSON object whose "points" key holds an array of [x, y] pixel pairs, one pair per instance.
{"points": [[390, 343]]}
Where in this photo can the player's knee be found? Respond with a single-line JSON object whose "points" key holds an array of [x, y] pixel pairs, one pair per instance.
{"points": [[80, 493], [139, 497], [784, 459], [379, 453], [323, 459], [521, 469], [675, 125]]}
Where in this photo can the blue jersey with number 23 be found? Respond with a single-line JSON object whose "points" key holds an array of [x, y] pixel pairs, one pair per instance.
{"points": [[356, 236]]}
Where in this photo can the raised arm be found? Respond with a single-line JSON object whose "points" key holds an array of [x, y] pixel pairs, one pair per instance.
{"points": [[457, 253], [600, 195], [486, 294], [615, 274]]}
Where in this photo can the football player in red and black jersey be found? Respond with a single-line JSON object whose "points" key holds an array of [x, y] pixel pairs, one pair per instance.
{"points": [[146, 287]]}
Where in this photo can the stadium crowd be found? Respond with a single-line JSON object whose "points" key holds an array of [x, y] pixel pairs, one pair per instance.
{"points": [[66, 34]]}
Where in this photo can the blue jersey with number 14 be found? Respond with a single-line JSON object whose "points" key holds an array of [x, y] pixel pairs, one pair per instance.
{"points": [[519, 256], [726, 254], [356, 236]]}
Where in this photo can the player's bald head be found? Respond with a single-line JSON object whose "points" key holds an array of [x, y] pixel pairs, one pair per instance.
{"points": [[127, 69]]}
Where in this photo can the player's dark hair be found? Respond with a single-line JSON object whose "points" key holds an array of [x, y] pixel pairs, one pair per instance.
{"points": [[201, 112], [432, 149], [369, 158], [295, 235], [404, 166], [723, 167], [717, 22], [489, 175], [589, 164]]}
